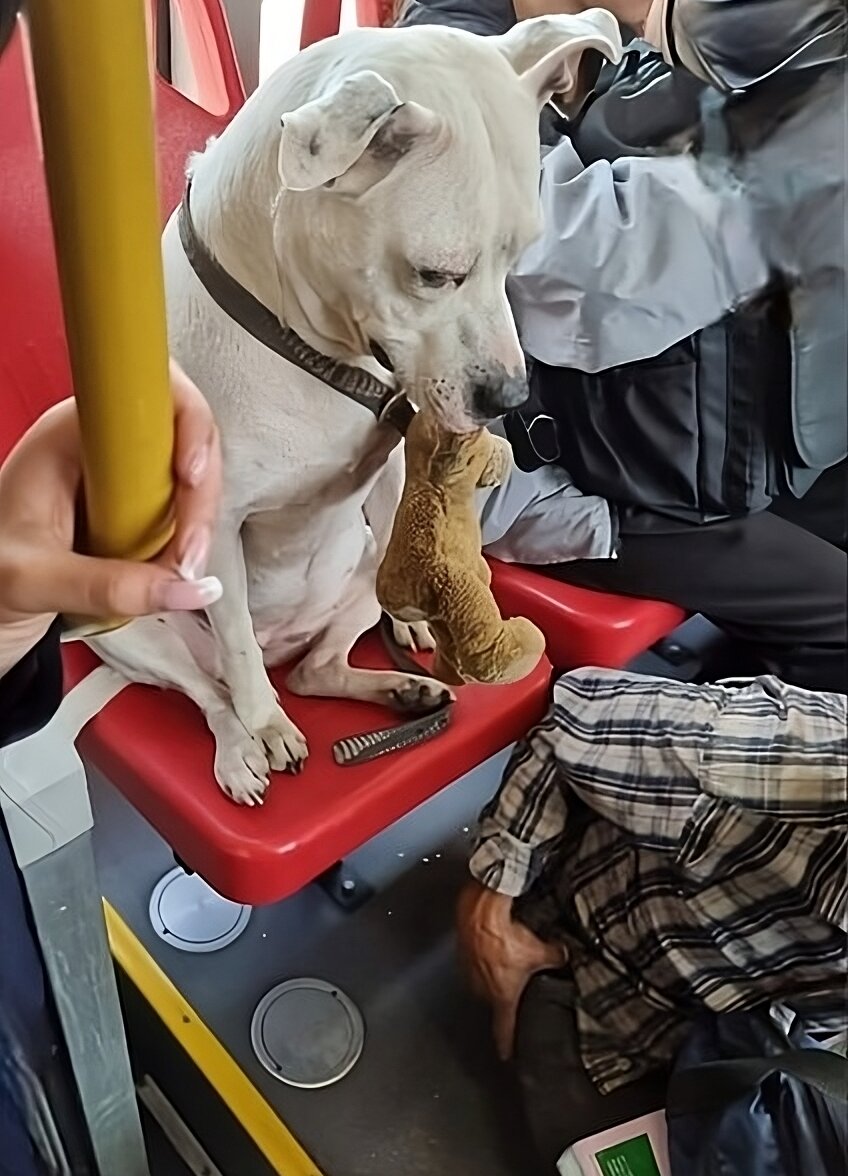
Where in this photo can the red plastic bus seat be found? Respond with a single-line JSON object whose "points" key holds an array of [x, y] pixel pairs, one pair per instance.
{"points": [[583, 627], [321, 18], [155, 747], [375, 13]]}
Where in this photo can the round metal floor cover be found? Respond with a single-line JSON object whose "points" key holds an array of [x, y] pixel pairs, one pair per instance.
{"points": [[190, 915], [307, 1033]]}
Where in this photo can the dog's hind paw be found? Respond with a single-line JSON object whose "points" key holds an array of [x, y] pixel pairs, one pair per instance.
{"points": [[419, 696]]}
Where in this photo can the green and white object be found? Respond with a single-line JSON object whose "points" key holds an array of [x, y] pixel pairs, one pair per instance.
{"points": [[637, 1148]]}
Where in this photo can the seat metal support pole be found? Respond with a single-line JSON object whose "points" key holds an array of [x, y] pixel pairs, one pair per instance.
{"points": [[48, 817]]}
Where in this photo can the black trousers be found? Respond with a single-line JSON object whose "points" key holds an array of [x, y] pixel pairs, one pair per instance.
{"points": [[25, 1028], [560, 1102], [774, 586]]}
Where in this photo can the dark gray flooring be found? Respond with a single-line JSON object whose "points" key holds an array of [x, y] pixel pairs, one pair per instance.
{"points": [[428, 1097], [163, 1159]]}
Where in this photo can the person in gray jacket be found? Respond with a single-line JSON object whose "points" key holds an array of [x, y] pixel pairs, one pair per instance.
{"points": [[685, 309]]}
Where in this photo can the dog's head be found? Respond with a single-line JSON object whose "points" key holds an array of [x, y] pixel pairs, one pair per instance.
{"points": [[412, 184]]}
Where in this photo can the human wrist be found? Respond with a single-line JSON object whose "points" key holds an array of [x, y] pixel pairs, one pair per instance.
{"points": [[490, 905], [19, 638]]}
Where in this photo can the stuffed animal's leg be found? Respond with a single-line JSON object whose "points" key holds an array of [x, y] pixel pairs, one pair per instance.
{"points": [[499, 462], [475, 641], [380, 509], [325, 670], [153, 651]]}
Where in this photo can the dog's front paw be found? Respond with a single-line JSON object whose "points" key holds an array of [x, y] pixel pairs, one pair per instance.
{"points": [[284, 743], [415, 636], [241, 767]]}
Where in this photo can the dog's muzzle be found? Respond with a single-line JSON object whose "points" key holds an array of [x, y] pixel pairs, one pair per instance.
{"points": [[498, 394]]}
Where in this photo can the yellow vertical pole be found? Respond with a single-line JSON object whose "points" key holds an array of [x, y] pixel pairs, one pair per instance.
{"points": [[94, 99]]}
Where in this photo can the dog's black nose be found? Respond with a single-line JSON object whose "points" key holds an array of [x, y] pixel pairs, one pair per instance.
{"points": [[493, 396]]}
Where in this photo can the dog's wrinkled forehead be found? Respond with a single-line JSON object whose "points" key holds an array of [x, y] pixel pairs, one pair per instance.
{"points": [[436, 96]]}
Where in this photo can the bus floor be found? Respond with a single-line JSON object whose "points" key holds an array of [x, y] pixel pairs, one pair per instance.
{"points": [[427, 1096]]}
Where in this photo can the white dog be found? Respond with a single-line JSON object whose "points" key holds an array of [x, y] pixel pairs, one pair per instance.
{"points": [[373, 195]]}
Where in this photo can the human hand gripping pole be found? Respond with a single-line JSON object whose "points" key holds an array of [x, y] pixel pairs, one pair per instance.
{"points": [[149, 467]]}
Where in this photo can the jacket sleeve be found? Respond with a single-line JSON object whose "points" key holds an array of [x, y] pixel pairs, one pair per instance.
{"points": [[522, 827], [485, 17], [540, 517], [634, 256], [31, 691]]}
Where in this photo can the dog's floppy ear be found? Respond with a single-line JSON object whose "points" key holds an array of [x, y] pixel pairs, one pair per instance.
{"points": [[548, 52], [325, 138]]}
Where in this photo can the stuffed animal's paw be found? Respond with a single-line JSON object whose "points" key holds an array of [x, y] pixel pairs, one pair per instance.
{"points": [[415, 636], [499, 464]]}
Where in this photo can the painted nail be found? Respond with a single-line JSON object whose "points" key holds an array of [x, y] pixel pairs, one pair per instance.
{"points": [[195, 555], [185, 595], [197, 466]]}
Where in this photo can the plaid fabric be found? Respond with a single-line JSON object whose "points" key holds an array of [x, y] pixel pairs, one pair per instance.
{"points": [[687, 844]]}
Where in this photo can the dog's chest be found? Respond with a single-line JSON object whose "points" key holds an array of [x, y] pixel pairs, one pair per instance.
{"points": [[299, 564]]}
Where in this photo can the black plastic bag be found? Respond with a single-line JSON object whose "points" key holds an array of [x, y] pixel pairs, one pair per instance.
{"points": [[745, 1099]]}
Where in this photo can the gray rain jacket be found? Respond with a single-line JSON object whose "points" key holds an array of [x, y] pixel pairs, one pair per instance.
{"points": [[641, 252]]}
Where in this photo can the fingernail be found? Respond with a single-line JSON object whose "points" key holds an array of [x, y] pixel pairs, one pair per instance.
{"points": [[197, 466], [187, 595], [195, 555]]}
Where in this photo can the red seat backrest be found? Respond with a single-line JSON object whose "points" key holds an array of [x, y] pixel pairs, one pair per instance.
{"points": [[34, 370], [375, 13], [322, 18], [182, 126]]}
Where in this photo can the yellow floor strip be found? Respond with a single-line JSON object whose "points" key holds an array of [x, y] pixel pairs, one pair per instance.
{"points": [[236, 1091]]}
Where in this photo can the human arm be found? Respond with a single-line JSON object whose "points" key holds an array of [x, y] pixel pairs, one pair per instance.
{"points": [[634, 256], [41, 575], [522, 825], [519, 830], [539, 516]]}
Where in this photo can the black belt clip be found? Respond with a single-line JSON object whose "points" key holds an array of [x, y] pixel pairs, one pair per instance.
{"points": [[534, 440]]}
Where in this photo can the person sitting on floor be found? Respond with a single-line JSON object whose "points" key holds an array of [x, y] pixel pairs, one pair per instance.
{"points": [[656, 850]]}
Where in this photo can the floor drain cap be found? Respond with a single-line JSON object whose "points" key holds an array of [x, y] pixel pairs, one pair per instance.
{"points": [[189, 915], [307, 1033]]}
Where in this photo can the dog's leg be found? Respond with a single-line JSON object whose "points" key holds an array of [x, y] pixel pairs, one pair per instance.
{"points": [[380, 509], [153, 652], [254, 698], [325, 670]]}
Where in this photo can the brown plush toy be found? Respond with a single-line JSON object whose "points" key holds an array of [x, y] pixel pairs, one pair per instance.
{"points": [[433, 569]]}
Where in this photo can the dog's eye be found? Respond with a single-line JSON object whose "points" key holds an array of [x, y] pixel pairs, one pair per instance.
{"points": [[438, 279]]}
